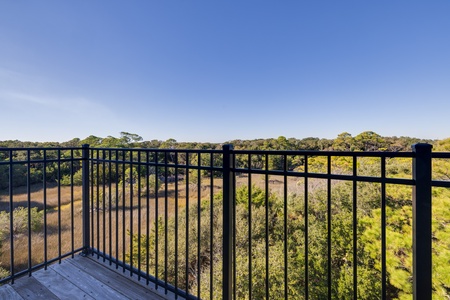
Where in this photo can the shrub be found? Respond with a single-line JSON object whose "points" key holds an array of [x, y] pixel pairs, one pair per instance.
{"points": [[3, 273], [20, 221]]}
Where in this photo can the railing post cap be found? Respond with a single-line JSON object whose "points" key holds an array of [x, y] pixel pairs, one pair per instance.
{"points": [[227, 147], [85, 146], [421, 147]]}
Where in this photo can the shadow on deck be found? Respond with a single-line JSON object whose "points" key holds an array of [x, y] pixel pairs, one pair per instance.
{"points": [[81, 278]]}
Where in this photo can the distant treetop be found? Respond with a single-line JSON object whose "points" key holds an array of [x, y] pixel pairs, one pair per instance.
{"points": [[365, 141]]}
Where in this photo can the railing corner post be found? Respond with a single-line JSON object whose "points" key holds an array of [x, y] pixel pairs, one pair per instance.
{"points": [[228, 192], [422, 220], [85, 199]]}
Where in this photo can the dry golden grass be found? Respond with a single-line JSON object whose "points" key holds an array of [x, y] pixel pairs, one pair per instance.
{"points": [[112, 227], [54, 213], [60, 202]]}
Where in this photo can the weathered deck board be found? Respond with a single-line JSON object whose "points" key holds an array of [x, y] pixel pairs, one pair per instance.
{"points": [[142, 282], [60, 286], [7, 292], [31, 288], [114, 280], [78, 278], [86, 282]]}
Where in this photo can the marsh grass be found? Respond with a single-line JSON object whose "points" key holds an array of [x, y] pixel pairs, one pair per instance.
{"points": [[115, 216], [55, 217], [113, 219]]}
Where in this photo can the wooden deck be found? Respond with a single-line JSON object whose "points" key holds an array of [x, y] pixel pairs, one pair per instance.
{"points": [[80, 278]]}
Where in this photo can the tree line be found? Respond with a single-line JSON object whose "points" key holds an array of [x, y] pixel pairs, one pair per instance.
{"points": [[66, 173], [365, 141], [62, 172]]}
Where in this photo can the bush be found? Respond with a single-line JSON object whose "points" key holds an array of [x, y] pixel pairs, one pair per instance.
{"points": [[3, 273], [20, 221], [77, 179]]}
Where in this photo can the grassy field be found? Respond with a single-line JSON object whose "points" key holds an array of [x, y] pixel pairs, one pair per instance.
{"points": [[61, 204], [63, 214], [112, 227]]}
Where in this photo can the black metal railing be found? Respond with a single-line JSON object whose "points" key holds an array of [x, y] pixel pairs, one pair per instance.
{"points": [[40, 224], [132, 205], [228, 223]]}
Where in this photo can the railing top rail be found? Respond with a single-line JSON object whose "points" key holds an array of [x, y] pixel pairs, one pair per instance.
{"points": [[440, 183], [326, 153], [253, 152], [440, 154], [40, 148], [160, 150], [36, 161]]}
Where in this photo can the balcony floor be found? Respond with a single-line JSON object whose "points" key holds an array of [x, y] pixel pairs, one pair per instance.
{"points": [[80, 278]]}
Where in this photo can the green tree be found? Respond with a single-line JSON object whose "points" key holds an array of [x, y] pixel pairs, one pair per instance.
{"points": [[343, 142], [130, 139], [369, 141], [92, 141]]}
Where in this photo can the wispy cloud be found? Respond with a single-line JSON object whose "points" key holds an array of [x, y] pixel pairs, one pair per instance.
{"points": [[43, 108], [18, 89], [8, 74], [39, 117], [14, 96], [65, 104]]}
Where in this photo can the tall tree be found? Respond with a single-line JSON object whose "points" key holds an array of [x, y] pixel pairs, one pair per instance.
{"points": [[343, 142]]}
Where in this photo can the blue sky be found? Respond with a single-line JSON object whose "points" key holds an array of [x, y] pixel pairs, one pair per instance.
{"points": [[214, 71]]}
